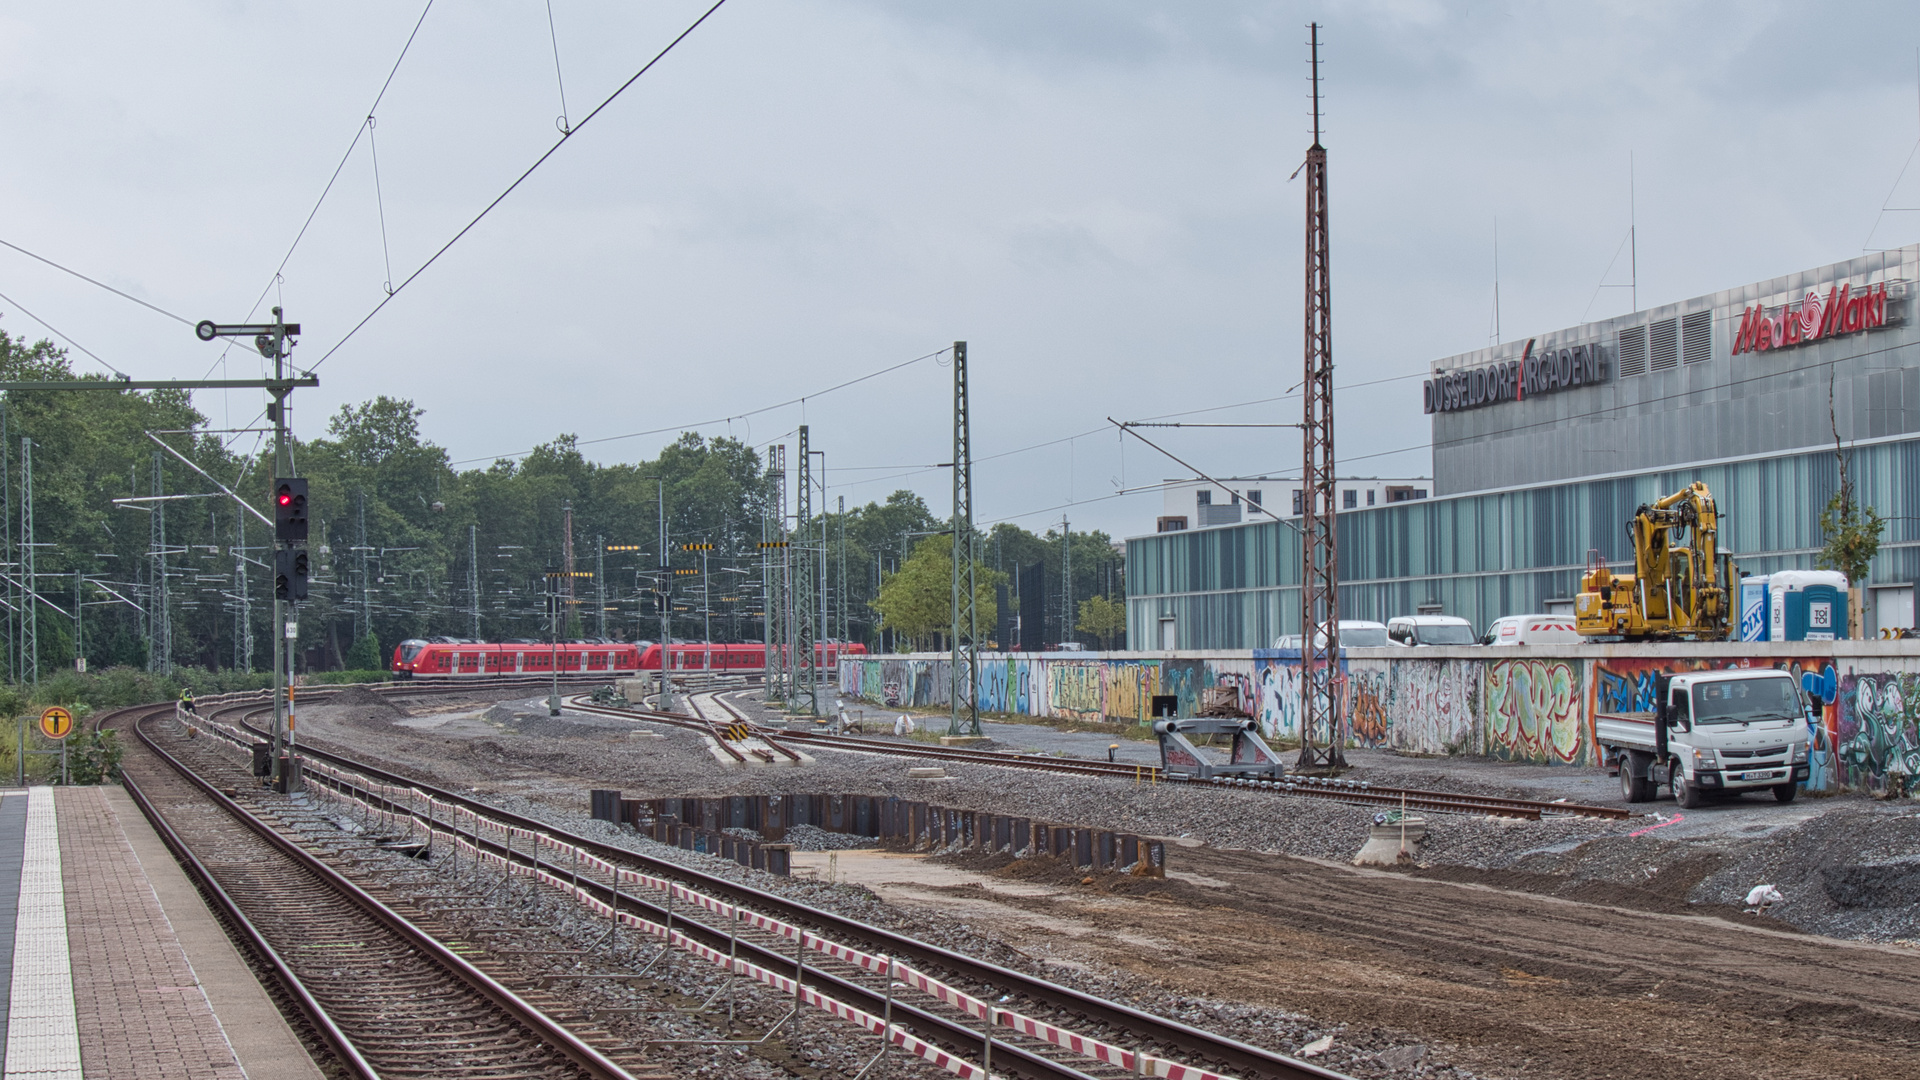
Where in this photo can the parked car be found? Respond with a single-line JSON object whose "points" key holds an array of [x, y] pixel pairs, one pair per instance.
{"points": [[1532, 630], [1354, 634], [1417, 630]]}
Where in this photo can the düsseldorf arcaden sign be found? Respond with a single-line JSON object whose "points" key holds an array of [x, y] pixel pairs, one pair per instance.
{"points": [[1515, 380], [1842, 311]]}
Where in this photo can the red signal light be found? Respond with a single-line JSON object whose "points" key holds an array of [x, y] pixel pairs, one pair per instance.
{"points": [[286, 500]]}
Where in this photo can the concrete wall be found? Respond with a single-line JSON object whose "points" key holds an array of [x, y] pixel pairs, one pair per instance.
{"points": [[1518, 704]]}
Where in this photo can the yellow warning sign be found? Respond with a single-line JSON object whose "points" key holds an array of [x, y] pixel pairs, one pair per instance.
{"points": [[56, 723], [736, 732]]}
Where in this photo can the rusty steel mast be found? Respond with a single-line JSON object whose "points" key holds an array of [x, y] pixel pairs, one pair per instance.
{"points": [[1320, 683]]}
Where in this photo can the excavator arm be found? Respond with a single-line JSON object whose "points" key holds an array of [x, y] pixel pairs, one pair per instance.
{"points": [[1680, 583]]}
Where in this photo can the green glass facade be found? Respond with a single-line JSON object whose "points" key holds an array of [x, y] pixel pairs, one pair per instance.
{"points": [[1500, 553]]}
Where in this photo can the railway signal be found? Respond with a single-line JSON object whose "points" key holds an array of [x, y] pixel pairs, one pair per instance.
{"points": [[290, 510], [291, 572]]}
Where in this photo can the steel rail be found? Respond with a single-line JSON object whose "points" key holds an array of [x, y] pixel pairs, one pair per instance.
{"points": [[1248, 1060], [954, 1034], [589, 1060], [1308, 787], [315, 1013]]}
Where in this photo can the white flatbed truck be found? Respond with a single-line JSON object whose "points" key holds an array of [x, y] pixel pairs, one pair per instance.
{"points": [[1710, 733]]}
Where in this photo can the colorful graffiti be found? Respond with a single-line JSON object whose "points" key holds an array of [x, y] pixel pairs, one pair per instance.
{"points": [[1878, 737], [1369, 717], [1073, 691], [1866, 736], [1533, 712], [1129, 691]]}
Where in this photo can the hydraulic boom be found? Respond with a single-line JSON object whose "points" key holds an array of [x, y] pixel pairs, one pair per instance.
{"points": [[1679, 588]]}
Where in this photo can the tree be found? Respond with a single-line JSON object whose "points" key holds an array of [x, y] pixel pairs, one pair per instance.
{"points": [[1104, 619], [1853, 532], [917, 600], [365, 654]]}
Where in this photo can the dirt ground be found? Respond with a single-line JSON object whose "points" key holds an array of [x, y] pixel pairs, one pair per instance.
{"points": [[1514, 972]]}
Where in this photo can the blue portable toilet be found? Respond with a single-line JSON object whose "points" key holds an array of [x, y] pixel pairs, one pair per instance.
{"points": [[1753, 608], [1807, 605]]}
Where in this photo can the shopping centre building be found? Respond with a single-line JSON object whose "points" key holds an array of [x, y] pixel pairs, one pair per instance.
{"points": [[1543, 449]]}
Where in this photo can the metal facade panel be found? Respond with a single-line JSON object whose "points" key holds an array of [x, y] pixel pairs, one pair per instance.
{"points": [[1651, 421]]}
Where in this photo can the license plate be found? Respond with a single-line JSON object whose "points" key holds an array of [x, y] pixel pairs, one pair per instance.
{"points": [[1753, 776]]}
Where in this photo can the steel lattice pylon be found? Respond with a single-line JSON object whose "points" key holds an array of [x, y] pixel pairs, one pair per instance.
{"points": [[1320, 684], [805, 629], [773, 564], [964, 638]]}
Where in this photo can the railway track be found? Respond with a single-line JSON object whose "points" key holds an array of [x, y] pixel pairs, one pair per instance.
{"points": [[386, 997], [1348, 791], [838, 959]]}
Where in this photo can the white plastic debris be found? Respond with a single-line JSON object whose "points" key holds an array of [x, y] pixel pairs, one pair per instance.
{"points": [[1761, 897], [1317, 1047]]}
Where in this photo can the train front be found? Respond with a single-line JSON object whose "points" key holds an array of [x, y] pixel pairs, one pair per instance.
{"points": [[403, 657]]}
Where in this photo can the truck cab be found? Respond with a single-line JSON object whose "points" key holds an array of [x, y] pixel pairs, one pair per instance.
{"points": [[1711, 732]]}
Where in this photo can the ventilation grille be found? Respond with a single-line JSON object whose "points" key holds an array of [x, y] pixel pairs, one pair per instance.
{"points": [[1696, 337], [1633, 351], [1665, 346]]}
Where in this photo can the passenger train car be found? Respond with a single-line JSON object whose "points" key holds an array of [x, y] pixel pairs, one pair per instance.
{"points": [[752, 656], [422, 659], [416, 658]]}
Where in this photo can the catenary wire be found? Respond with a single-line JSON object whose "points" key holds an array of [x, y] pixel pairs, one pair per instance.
{"points": [[723, 419], [498, 199], [102, 284], [56, 333]]}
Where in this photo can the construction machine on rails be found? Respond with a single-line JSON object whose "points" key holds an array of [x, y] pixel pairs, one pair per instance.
{"points": [[1681, 588]]}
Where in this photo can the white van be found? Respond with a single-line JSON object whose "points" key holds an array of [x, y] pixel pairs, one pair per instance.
{"points": [[1532, 630], [1354, 634], [1430, 630]]}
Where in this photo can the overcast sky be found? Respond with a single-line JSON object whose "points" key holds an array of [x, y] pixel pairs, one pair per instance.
{"points": [[1093, 193]]}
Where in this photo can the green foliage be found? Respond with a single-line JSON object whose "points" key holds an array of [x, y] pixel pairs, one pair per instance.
{"points": [[1105, 619], [118, 687], [1853, 536], [93, 757], [917, 601], [341, 678], [365, 654]]}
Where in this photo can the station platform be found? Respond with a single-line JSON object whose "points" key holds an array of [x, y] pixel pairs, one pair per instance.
{"points": [[111, 965]]}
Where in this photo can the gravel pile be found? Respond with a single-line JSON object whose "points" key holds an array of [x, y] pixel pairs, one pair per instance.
{"points": [[813, 838]]}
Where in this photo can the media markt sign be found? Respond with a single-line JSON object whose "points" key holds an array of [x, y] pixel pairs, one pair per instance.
{"points": [[1548, 371], [1841, 311]]}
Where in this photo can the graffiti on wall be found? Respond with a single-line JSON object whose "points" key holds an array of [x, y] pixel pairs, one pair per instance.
{"points": [[1074, 690], [1274, 692], [1534, 712], [1434, 705], [1878, 738], [1372, 721], [1129, 691]]}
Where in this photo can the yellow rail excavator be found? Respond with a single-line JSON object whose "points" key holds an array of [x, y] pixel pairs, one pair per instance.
{"points": [[1681, 585]]}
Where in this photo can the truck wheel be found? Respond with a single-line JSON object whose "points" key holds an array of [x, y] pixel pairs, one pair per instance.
{"points": [[1684, 794], [1784, 793], [1634, 785]]}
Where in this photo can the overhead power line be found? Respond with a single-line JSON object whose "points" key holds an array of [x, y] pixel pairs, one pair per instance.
{"points": [[722, 419], [498, 199], [56, 333], [101, 284]]}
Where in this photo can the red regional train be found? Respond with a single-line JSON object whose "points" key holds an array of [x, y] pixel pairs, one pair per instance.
{"points": [[419, 658], [698, 656]]}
